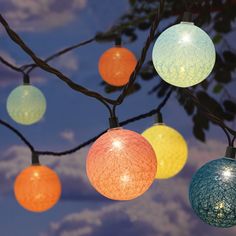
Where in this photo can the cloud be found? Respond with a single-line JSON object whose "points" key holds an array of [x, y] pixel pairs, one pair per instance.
{"points": [[68, 135], [200, 153], [141, 217], [67, 62], [164, 210], [71, 170], [10, 77], [28, 15]]}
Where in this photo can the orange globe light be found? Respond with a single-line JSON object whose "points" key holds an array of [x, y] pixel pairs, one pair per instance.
{"points": [[37, 188], [116, 65], [121, 164]]}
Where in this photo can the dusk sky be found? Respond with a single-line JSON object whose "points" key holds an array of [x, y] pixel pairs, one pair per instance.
{"points": [[71, 118]]}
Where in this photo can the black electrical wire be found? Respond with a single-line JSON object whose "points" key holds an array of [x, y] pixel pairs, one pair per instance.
{"points": [[123, 123], [19, 134], [30, 67], [106, 101], [43, 65], [36, 153], [149, 40]]}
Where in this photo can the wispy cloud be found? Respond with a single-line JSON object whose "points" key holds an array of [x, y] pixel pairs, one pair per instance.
{"points": [[68, 135], [67, 62], [28, 15], [164, 210], [71, 170]]}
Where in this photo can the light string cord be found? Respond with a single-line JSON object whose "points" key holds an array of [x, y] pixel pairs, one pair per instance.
{"points": [[228, 131], [13, 67], [108, 35], [233, 140], [19, 134], [43, 64], [26, 78], [213, 118], [46, 67], [149, 40], [36, 153], [30, 67]]}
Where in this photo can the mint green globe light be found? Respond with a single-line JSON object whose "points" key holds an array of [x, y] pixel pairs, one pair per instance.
{"points": [[26, 104], [184, 55]]}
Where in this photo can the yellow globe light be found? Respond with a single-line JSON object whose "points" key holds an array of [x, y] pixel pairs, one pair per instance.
{"points": [[184, 55], [170, 148], [26, 104]]}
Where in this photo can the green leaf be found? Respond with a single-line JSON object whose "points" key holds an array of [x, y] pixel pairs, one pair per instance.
{"points": [[230, 106], [136, 87], [111, 89], [217, 38], [199, 133], [217, 88]]}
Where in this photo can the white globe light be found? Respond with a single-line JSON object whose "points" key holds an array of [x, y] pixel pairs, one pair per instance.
{"points": [[26, 104], [184, 55]]}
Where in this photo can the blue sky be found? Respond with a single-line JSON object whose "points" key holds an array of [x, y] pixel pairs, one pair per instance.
{"points": [[72, 118]]}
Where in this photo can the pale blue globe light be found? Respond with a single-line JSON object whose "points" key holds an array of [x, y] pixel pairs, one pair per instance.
{"points": [[212, 193], [26, 104], [184, 55]]}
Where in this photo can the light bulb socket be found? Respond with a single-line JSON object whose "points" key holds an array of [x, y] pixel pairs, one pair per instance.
{"points": [[159, 118], [230, 152], [26, 79], [113, 122], [118, 41], [35, 159], [187, 17]]}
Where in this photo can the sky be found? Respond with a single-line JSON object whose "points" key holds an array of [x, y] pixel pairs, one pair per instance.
{"points": [[164, 210]]}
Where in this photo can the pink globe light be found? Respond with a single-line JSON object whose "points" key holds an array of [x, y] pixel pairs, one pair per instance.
{"points": [[121, 164]]}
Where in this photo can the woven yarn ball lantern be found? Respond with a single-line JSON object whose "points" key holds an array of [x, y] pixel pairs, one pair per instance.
{"points": [[26, 104], [170, 148], [116, 65], [184, 55], [37, 188], [212, 193], [121, 164]]}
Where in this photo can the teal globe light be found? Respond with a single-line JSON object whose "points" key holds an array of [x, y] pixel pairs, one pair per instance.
{"points": [[184, 55], [26, 104], [212, 193]]}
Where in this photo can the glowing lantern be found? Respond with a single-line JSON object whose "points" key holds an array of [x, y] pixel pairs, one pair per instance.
{"points": [[37, 188], [121, 164], [212, 192], [184, 55], [170, 148], [116, 65], [26, 104]]}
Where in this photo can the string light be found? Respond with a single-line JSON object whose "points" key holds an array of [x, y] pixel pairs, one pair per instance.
{"points": [[170, 148], [116, 65], [26, 104], [121, 164], [212, 191], [37, 188], [184, 55]]}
